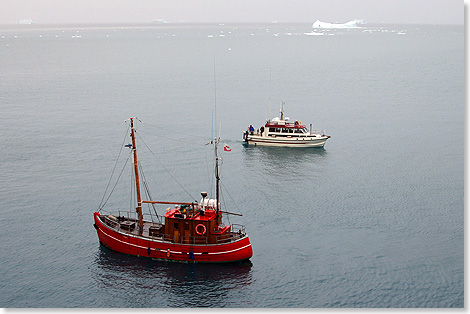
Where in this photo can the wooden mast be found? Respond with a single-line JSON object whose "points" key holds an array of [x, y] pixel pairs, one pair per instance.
{"points": [[137, 184]]}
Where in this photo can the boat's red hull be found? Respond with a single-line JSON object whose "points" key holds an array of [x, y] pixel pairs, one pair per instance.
{"points": [[134, 245]]}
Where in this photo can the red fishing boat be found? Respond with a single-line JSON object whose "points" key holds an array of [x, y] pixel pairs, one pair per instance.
{"points": [[190, 232]]}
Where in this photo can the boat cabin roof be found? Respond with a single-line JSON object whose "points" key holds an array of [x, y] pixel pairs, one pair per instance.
{"points": [[209, 215], [296, 125]]}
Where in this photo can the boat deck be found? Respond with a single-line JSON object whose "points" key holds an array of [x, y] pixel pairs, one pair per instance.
{"points": [[154, 231]]}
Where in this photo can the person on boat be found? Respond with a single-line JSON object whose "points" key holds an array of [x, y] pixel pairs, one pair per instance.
{"points": [[252, 129], [261, 129]]}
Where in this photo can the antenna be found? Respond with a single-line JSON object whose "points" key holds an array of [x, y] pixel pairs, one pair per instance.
{"points": [[270, 93], [215, 101], [212, 125], [217, 178]]}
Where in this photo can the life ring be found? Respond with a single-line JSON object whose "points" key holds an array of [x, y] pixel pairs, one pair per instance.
{"points": [[168, 253], [203, 229]]}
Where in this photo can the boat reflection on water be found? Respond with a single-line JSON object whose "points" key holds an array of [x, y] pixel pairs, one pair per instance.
{"points": [[165, 284], [285, 160]]}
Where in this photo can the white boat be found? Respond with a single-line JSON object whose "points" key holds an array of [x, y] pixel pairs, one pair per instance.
{"points": [[281, 131]]}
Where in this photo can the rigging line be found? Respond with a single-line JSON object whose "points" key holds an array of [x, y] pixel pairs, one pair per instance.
{"points": [[231, 197], [144, 183], [169, 138], [215, 101], [112, 173], [148, 192], [209, 177], [102, 206], [212, 186], [222, 196], [174, 131], [133, 190], [174, 150], [166, 169]]}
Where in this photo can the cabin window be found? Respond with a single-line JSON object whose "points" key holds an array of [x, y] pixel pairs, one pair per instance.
{"points": [[298, 131], [271, 129], [176, 225], [278, 130], [290, 130]]}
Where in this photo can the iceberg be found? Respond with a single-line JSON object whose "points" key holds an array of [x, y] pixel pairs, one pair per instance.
{"points": [[350, 24], [25, 22]]}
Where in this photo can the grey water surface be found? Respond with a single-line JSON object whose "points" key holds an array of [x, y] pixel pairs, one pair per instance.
{"points": [[375, 219]]}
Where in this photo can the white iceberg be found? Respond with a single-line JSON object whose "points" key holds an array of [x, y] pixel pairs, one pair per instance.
{"points": [[25, 22], [350, 24]]}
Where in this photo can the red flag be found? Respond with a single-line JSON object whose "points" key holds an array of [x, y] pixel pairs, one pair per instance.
{"points": [[227, 148]]}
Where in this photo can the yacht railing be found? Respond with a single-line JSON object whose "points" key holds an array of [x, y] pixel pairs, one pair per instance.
{"points": [[321, 132]]}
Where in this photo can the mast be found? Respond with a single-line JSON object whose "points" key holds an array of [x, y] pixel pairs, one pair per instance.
{"points": [[137, 184], [217, 137], [217, 179]]}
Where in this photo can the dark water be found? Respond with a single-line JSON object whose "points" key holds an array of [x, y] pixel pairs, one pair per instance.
{"points": [[376, 219]]}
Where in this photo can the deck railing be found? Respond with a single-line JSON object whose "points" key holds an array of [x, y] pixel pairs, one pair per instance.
{"points": [[321, 132], [193, 240], [237, 231], [240, 229]]}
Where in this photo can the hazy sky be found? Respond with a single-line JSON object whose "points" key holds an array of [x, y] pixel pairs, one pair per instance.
{"points": [[304, 11]]}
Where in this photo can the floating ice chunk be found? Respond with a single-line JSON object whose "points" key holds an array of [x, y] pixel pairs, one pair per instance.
{"points": [[314, 34], [350, 24], [25, 22]]}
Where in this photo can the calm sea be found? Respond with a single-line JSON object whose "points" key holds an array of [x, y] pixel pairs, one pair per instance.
{"points": [[376, 219]]}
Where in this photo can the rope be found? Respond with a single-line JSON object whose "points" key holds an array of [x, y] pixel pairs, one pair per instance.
{"points": [[114, 168], [166, 137], [102, 206], [166, 169], [147, 190], [174, 131], [230, 196]]}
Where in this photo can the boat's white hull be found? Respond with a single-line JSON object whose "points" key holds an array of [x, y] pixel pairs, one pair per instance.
{"points": [[286, 142]]}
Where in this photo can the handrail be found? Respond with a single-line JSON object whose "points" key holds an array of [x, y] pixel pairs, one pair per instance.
{"points": [[321, 132], [237, 231]]}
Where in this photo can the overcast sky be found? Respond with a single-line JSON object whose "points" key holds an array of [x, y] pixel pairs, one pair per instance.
{"points": [[226, 11]]}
